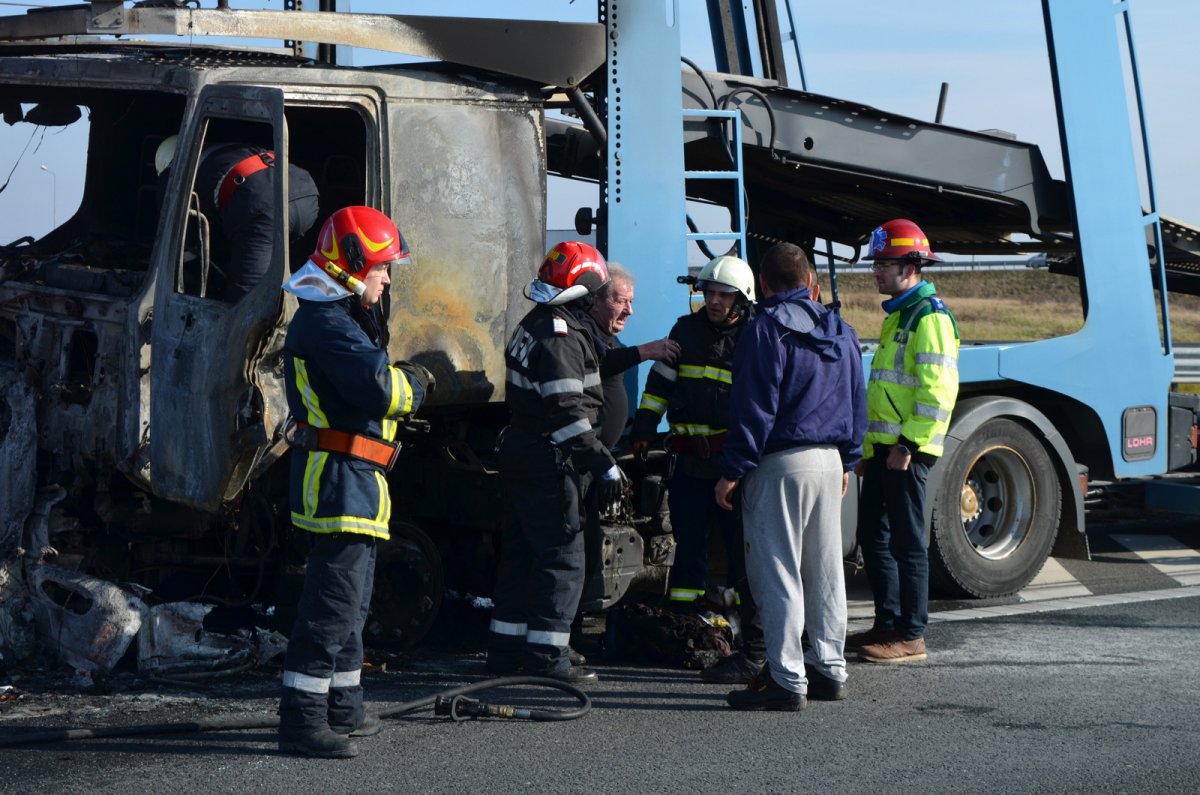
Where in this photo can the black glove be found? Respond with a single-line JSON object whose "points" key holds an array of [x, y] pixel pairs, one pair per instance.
{"points": [[425, 376]]}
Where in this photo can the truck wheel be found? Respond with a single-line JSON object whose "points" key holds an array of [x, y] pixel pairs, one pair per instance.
{"points": [[996, 513], [409, 582]]}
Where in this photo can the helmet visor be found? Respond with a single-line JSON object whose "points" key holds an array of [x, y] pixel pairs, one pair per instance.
{"points": [[393, 265]]}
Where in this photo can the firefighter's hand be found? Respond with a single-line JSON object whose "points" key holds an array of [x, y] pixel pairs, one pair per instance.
{"points": [[612, 487], [664, 350], [860, 468], [425, 376], [724, 491]]}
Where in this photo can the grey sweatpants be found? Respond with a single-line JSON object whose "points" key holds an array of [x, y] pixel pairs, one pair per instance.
{"points": [[791, 510]]}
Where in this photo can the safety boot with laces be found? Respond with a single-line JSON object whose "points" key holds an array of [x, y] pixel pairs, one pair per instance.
{"points": [[822, 687], [895, 650], [765, 694]]}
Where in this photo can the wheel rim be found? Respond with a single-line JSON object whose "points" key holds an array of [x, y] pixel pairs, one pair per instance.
{"points": [[409, 582], [997, 502]]}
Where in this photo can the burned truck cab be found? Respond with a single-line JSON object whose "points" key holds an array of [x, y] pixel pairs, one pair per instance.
{"points": [[152, 401]]}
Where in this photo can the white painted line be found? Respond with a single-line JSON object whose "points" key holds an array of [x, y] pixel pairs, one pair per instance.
{"points": [[1052, 582], [1065, 604], [1180, 562]]}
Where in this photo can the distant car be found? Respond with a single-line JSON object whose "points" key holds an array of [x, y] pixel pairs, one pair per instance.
{"points": [[1036, 261]]}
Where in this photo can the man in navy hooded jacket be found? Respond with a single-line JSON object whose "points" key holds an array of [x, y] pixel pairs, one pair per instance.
{"points": [[798, 415]]}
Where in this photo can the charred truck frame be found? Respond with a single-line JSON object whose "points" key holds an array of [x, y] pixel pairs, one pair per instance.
{"points": [[155, 411]]}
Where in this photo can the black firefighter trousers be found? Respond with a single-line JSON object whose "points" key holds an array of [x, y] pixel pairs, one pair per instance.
{"points": [[323, 666], [540, 577]]}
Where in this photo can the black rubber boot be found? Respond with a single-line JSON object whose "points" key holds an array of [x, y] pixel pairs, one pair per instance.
{"points": [[345, 712], [304, 727], [574, 674], [369, 727], [321, 743]]}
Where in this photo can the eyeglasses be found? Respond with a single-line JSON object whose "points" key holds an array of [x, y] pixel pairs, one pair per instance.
{"points": [[880, 267]]}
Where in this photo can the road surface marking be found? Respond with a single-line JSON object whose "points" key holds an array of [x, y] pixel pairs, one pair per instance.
{"points": [[1052, 582], [1177, 561]]}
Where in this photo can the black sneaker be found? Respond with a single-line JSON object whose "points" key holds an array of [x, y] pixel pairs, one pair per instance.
{"points": [[736, 669], [822, 687], [322, 743], [764, 694]]}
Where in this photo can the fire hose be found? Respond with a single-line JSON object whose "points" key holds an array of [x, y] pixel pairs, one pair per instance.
{"points": [[452, 703]]}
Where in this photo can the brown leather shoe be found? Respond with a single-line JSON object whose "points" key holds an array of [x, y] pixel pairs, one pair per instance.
{"points": [[897, 650], [856, 640]]}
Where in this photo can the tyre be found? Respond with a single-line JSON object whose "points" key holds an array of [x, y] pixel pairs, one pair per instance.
{"points": [[996, 512], [409, 583]]}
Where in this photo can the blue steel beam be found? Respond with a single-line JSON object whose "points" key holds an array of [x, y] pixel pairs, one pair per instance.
{"points": [[1117, 360], [645, 189]]}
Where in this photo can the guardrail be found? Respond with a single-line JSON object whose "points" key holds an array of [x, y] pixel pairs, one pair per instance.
{"points": [[1187, 362], [949, 265]]}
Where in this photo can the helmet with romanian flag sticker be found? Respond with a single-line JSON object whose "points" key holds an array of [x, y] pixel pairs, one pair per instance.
{"points": [[900, 239], [356, 239], [570, 271]]}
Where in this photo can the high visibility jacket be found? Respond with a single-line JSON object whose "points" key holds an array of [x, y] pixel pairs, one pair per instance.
{"points": [[553, 386], [694, 392], [338, 376], [914, 376]]}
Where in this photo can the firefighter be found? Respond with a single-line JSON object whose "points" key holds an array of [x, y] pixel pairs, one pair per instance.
{"points": [[345, 401], [911, 391], [233, 184], [694, 394], [548, 454]]}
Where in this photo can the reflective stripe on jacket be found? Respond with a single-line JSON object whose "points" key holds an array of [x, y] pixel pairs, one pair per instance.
{"points": [[914, 376], [338, 376], [553, 385], [694, 393]]}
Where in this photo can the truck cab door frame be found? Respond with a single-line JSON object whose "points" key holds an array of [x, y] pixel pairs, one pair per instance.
{"points": [[206, 417]]}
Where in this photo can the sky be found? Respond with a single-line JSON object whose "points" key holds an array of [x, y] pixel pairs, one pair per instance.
{"points": [[891, 55]]}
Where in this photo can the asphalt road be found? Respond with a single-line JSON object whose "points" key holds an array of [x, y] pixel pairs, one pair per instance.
{"points": [[1093, 692]]}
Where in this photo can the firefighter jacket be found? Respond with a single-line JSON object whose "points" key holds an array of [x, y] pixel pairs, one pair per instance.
{"points": [[914, 376], [337, 376], [693, 393], [553, 386]]}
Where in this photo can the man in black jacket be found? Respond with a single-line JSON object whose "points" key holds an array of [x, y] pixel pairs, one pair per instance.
{"points": [[547, 454], [237, 195], [695, 397]]}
